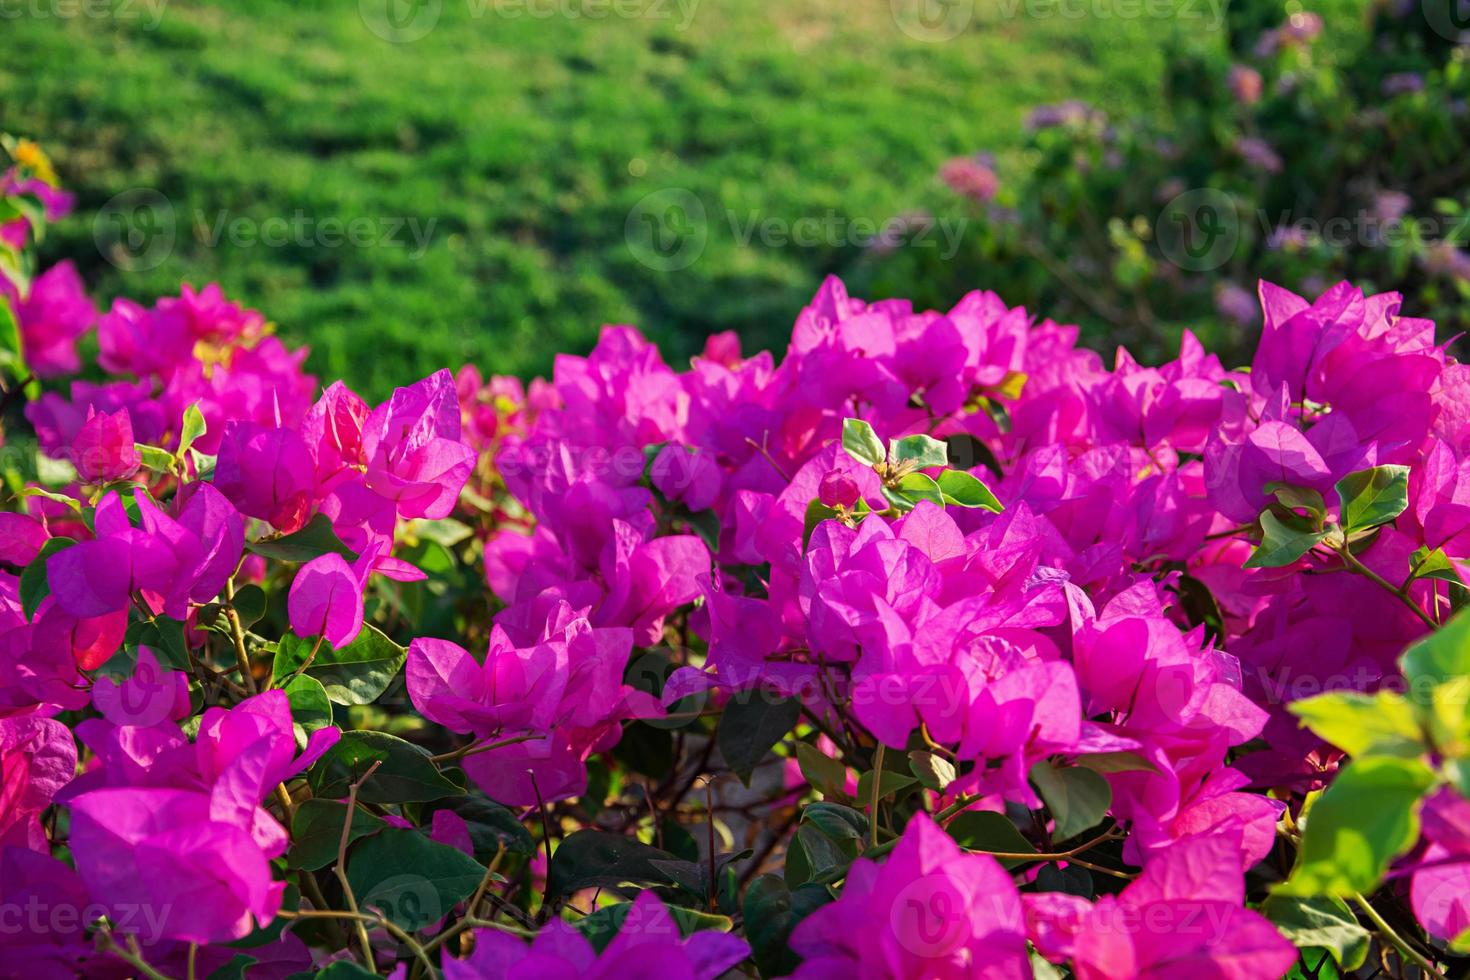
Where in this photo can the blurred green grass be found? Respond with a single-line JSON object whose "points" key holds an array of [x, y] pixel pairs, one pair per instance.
{"points": [[527, 142]]}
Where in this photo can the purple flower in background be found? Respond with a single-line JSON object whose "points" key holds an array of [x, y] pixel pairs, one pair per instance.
{"points": [[1403, 83], [971, 177], [1245, 84], [1258, 155]]}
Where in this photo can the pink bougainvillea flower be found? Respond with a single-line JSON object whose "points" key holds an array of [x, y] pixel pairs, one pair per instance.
{"points": [[37, 758], [149, 696], [648, 942], [93, 578], [326, 600], [50, 941], [53, 315], [267, 472], [1183, 916], [21, 538], [413, 449], [567, 689], [204, 878], [929, 910], [104, 449]]}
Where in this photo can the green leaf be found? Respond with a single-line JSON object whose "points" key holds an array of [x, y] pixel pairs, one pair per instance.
{"points": [[356, 674], [933, 771], [11, 351], [1372, 497], [752, 723], [1321, 923], [193, 427], [407, 774], [314, 540], [489, 824], [963, 490], [164, 636], [891, 783], [816, 513], [316, 832], [914, 487], [34, 583], [1078, 798], [986, 830], [836, 821], [826, 774], [1108, 762], [1281, 544], [155, 459], [771, 911], [250, 604], [861, 442], [411, 879], [598, 859], [309, 705], [922, 451], [602, 926], [1356, 723], [1434, 564], [1300, 498], [1439, 657], [1365, 819], [824, 860]]}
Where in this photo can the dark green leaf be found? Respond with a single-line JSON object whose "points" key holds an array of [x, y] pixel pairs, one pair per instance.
{"points": [[356, 674], [249, 603], [316, 832], [407, 774], [836, 821], [824, 773], [489, 823], [1325, 923], [753, 722], [314, 540], [597, 859], [1281, 544], [309, 705], [409, 878], [34, 585], [771, 911], [1077, 798], [986, 830], [892, 782]]}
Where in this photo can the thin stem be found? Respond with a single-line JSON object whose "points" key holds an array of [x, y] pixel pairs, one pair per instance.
{"points": [[237, 633], [132, 957], [315, 648], [475, 748], [1404, 949], [341, 870], [363, 920], [1357, 566], [546, 839], [873, 796]]}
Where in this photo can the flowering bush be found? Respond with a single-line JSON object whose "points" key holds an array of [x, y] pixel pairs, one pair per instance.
{"points": [[1275, 155], [936, 649]]}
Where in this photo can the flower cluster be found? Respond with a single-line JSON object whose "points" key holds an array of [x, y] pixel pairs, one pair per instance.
{"points": [[1002, 661]]}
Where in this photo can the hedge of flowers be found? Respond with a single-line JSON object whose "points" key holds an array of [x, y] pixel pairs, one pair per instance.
{"points": [[937, 648]]}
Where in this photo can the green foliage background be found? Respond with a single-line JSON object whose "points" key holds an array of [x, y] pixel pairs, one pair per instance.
{"points": [[527, 141]]}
